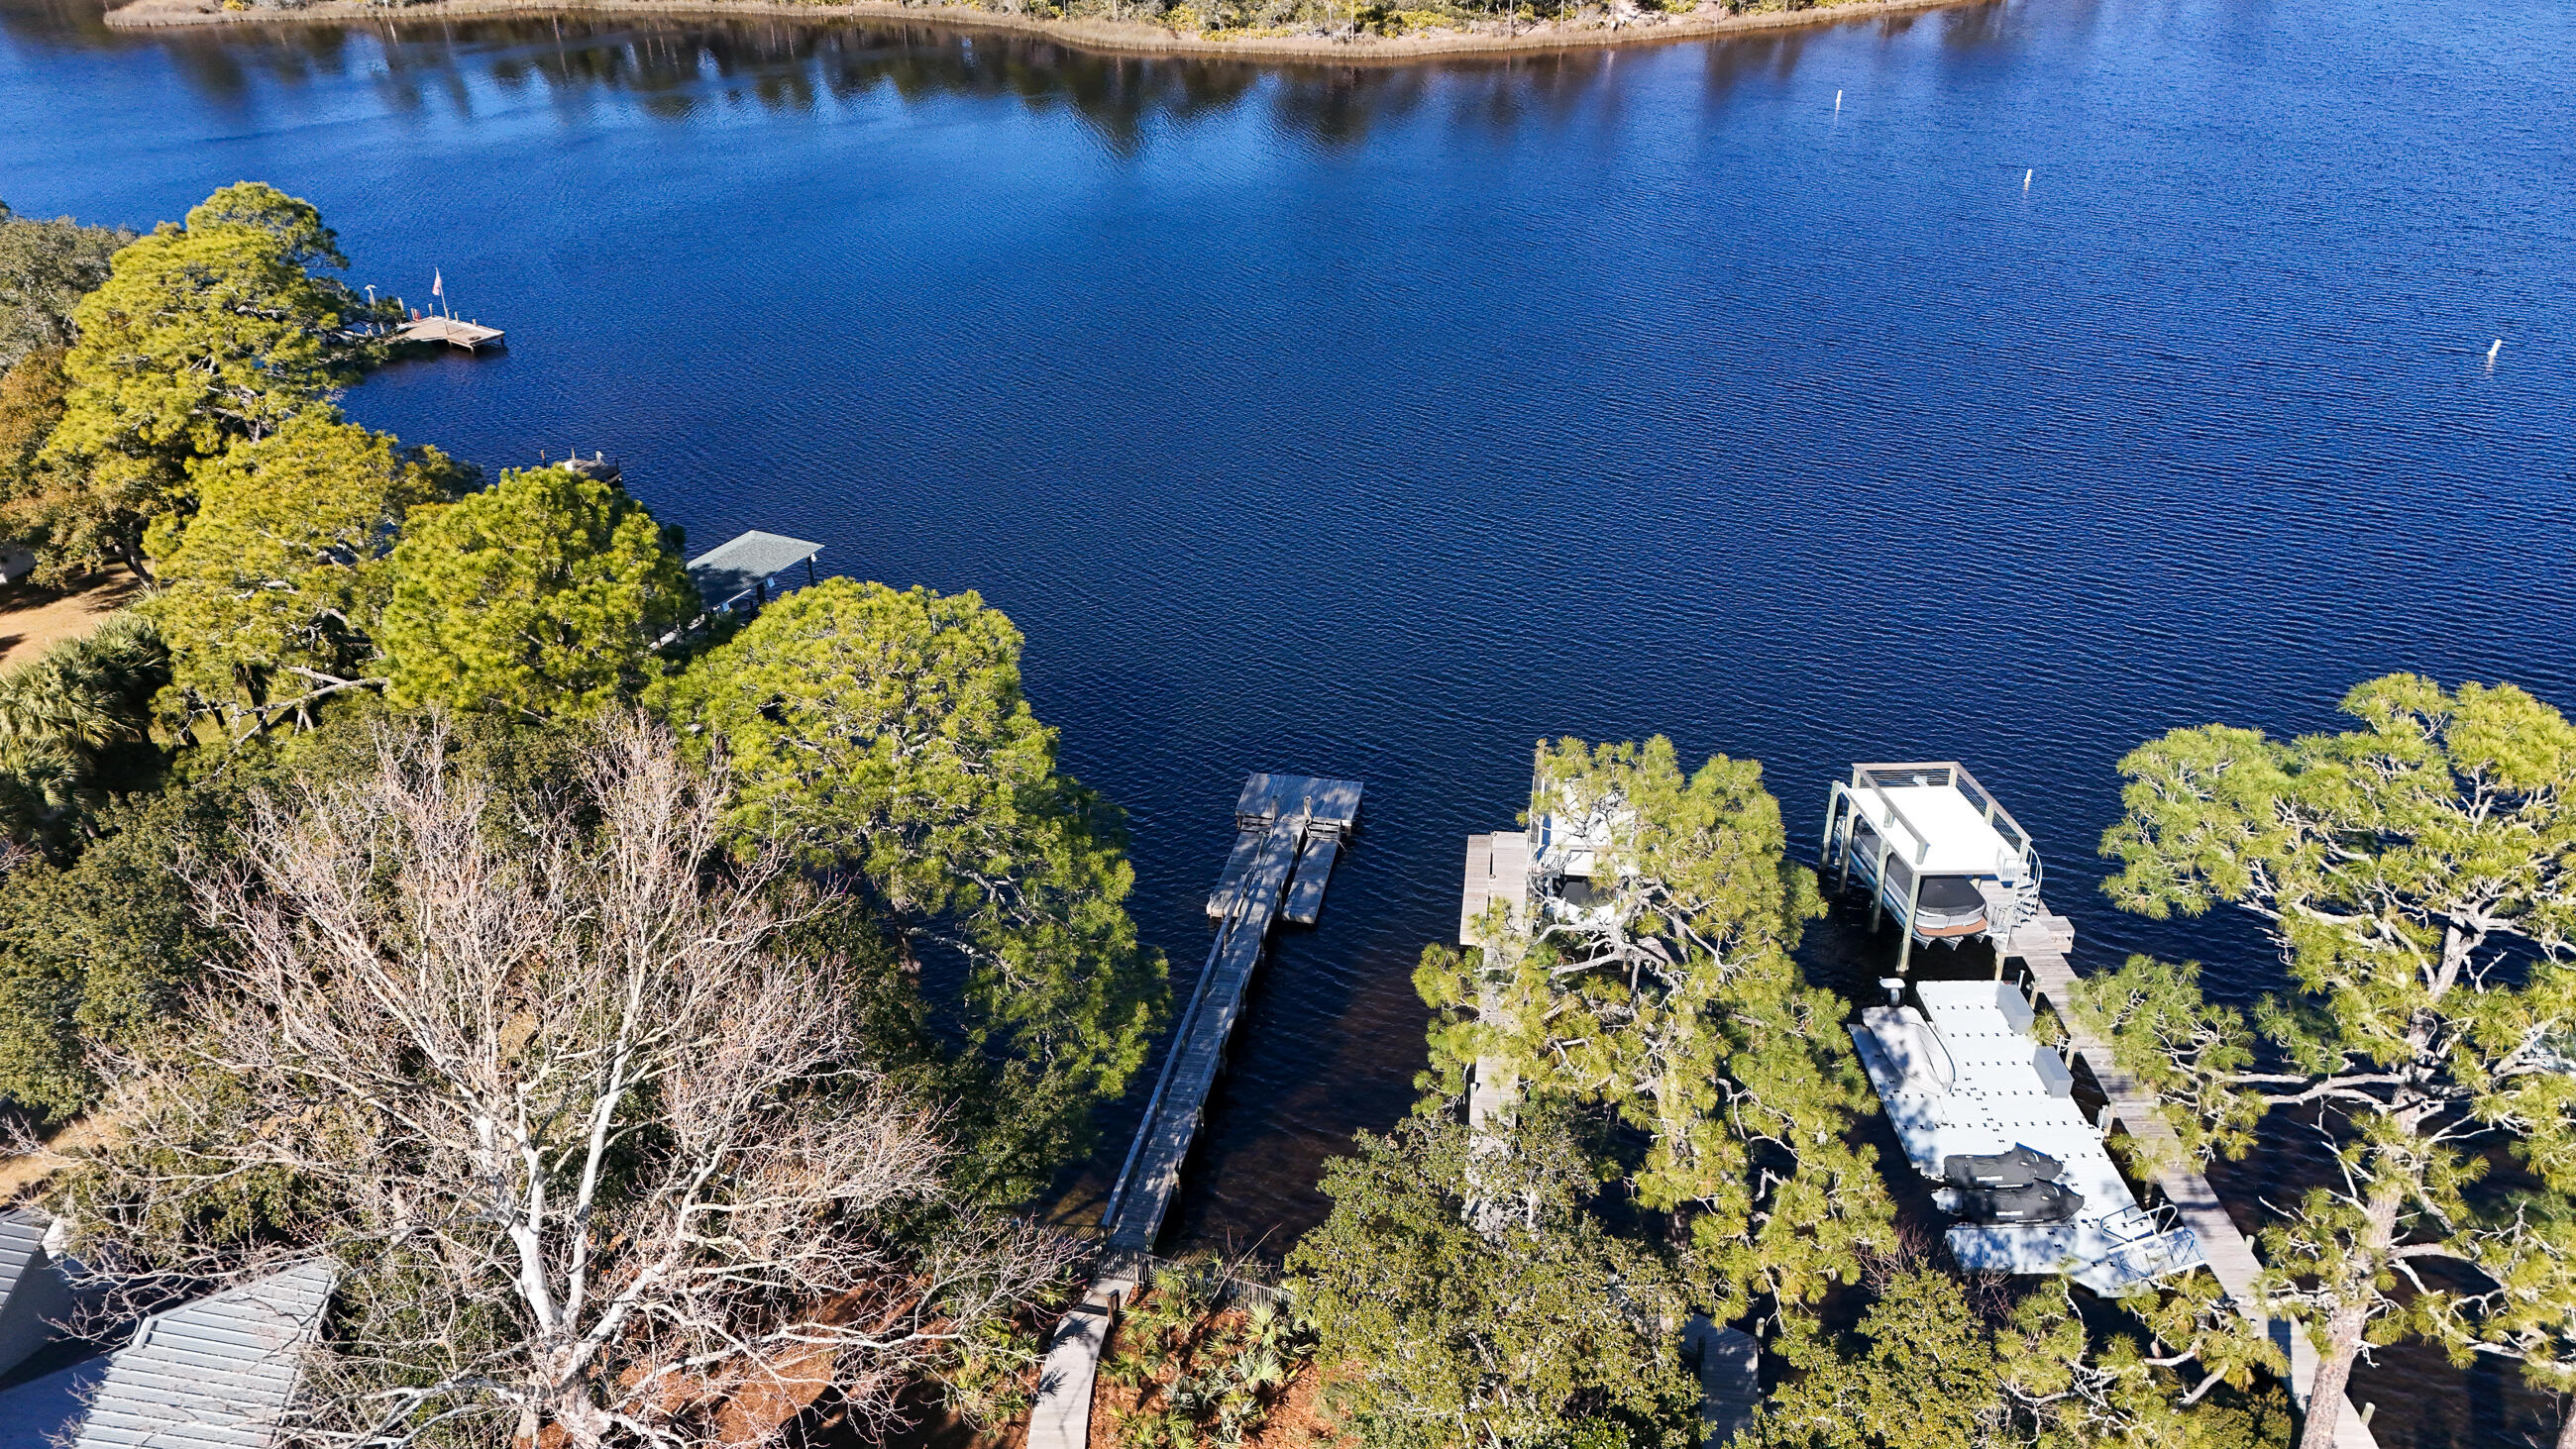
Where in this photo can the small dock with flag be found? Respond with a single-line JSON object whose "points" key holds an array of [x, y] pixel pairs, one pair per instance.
{"points": [[443, 325], [454, 331]]}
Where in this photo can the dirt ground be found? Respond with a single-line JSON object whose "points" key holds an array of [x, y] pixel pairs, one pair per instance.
{"points": [[33, 620]]}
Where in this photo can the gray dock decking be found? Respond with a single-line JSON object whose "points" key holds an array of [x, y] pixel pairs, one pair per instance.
{"points": [[1289, 830], [454, 331]]}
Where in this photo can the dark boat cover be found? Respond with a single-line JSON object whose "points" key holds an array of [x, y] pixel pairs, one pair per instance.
{"points": [[2033, 1203], [2018, 1168], [1950, 895]]}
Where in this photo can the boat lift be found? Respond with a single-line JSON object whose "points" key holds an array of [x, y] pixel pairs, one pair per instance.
{"points": [[1934, 848]]}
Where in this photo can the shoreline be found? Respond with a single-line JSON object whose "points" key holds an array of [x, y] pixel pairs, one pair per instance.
{"points": [[1120, 37]]}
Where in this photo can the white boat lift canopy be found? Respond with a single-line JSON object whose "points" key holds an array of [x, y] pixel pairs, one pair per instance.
{"points": [[1938, 830], [1898, 825]]}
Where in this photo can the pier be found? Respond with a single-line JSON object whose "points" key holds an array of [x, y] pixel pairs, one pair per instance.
{"points": [[1289, 831], [454, 331], [2041, 946]]}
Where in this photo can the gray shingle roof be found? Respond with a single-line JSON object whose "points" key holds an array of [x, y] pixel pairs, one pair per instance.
{"points": [[22, 1246], [213, 1374], [735, 568]]}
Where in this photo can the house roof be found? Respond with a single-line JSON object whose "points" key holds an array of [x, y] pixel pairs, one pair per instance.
{"points": [[736, 567], [22, 1247], [216, 1373]]}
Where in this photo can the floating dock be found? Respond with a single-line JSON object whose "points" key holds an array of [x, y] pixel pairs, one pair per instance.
{"points": [[454, 331], [1964, 1076], [1289, 831], [2042, 946]]}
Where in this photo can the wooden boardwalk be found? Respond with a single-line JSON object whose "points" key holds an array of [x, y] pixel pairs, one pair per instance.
{"points": [[2042, 945], [1289, 831], [1730, 1378]]}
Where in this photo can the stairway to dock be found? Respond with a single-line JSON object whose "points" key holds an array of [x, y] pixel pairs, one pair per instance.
{"points": [[1289, 831]]}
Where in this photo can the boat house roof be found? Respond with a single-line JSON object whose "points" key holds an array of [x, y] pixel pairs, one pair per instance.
{"points": [[734, 569]]}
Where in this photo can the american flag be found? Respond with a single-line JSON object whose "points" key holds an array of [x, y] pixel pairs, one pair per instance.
{"points": [[437, 283]]}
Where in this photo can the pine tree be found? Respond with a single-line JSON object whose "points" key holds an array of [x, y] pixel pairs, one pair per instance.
{"points": [[542, 596], [1660, 985], [2417, 875], [270, 593], [884, 733]]}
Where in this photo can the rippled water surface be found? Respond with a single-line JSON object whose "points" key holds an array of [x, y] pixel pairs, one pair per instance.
{"points": [[1378, 421]]}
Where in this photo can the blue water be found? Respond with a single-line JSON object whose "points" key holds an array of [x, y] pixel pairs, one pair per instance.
{"points": [[1378, 421]]}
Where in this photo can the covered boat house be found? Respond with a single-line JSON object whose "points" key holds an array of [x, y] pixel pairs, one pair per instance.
{"points": [[1934, 850], [741, 573]]}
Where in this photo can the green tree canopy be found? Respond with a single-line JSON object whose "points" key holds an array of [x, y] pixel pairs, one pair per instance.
{"points": [[1661, 986], [2418, 876], [201, 334], [1930, 1367], [31, 403], [270, 592], [543, 595], [884, 733], [94, 955], [1535, 1327], [46, 267]]}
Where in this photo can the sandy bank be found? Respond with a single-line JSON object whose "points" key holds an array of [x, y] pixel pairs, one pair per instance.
{"points": [[1102, 35]]}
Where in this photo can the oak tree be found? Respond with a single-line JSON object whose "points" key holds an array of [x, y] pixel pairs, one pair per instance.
{"points": [[46, 267], [1477, 1331]]}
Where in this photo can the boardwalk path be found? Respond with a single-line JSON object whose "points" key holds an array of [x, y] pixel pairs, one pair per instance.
{"points": [[2042, 946], [1289, 831]]}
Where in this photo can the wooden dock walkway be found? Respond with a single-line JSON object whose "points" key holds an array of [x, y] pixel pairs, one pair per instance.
{"points": [[2041, 945], [1289, 831], [1729, 1361]]}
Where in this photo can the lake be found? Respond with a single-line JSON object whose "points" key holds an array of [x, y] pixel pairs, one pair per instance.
{"points": [[2095, 367]]}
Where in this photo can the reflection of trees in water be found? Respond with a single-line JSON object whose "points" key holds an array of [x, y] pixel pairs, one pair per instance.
{"points": [[671, 67], [55, 22]]}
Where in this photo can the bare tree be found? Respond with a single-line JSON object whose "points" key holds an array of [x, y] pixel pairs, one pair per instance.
{"points": [[602, 1162]]}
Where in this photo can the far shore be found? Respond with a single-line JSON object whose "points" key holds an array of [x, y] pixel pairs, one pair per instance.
{"points": [[1484, 38]]}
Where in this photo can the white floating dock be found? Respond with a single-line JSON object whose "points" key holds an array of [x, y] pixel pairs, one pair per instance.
{"points": [[1964, 1076]]}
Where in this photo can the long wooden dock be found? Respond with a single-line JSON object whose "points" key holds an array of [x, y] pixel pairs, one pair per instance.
{"points": [[2041, 945], [1289, 831]]}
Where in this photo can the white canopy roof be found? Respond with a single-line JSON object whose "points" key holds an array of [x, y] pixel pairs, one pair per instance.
{"points": [[1961, 840]]}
